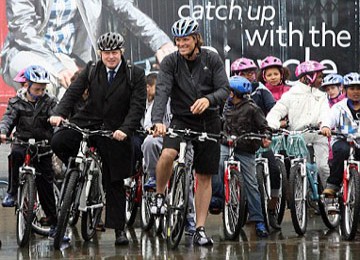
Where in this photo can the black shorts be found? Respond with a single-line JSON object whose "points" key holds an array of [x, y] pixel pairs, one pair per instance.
{"points": [[206, 154]]}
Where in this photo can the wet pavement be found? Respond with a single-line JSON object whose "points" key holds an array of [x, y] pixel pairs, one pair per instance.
{"points": [[318, 242]]}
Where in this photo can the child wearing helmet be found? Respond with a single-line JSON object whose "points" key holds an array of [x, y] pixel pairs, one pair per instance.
{"points": [[305, 105], [28, 114], [273, 75], [344, 117], [243, 115], [333, 84]]}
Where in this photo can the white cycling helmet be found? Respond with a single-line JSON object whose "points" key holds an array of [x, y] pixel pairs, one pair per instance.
{"points": [[110, 41], [352, 78], [185, 27], [37, 74]]}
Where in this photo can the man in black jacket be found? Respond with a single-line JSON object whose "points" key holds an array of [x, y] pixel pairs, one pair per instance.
{"points": [[196, 81], [116, 102]]}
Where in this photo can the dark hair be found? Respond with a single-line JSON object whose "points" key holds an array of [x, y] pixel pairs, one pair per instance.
{"points": [[151, 79], [284, 71]]}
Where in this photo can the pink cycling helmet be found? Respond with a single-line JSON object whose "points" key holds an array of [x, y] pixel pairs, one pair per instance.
{"points": [[20, 78], [270, 61], [243, 64], [308, 67]]}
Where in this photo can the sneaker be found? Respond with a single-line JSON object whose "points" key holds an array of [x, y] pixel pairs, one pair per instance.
{"points": [[261, 229], [329, 192], [273, 220], [150, 184], [201, 239], [52, 233], [158, 205], [190, 226], [9, 200]]}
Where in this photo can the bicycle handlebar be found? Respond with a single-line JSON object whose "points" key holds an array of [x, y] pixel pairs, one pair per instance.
{"points": [[105, 133], [296, 132], [189, 134]]}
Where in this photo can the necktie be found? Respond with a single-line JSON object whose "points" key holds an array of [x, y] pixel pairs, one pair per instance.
{"points": [[111, 76]]}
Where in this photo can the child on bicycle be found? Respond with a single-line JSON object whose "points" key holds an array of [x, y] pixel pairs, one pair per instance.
{"points": [[344, 117], [333, 84], [264, 99], [305, 105], [28, 114], [273, 75], [242, 117]]}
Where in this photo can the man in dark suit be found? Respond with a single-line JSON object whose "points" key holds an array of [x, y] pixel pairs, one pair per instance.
{"points": [[116, 102]]}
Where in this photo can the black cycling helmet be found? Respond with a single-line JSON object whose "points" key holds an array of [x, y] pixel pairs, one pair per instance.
{"points": [[110, 41]]}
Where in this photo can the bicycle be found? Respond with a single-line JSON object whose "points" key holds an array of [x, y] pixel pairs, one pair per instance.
{"points": [[347, 201], [305, 186], [28, 207], [82, 187], [235, 210], [176, 202]]}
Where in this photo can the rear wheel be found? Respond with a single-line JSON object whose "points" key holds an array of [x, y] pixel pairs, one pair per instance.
{"points": [[177, 207], [234, 206], [350, 206], [297, 199], [65, 207], [25, 210]]}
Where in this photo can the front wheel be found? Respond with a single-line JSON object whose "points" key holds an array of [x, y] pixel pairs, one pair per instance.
{"points": [[234, 207], [350, 206], [281, 206], [147, 219], [297, 199], [131, 205], [65, 207], [264, 197], [25, 210], [177, 207]]}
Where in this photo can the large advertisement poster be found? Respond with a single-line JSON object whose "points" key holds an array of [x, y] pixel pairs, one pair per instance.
{"points": [[62, 33]]}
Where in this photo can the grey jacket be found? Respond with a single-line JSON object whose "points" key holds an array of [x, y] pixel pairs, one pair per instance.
{"points": [[27, 21], [208, 79]]}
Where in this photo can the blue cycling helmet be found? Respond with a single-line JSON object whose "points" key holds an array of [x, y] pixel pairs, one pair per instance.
{"points": [[352, 78], [240, 85], [37, 74], [185, 27], [331, 79]]}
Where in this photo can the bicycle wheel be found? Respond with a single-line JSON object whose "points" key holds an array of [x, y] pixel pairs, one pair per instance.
{"points": [[90, 219], [264, 198], [234, 213], [37, 225], [177, 207], [24, 211], [147, 219], [131, 205], [329, 208], [297, 203], [74, 215], [65, 206], [281, 206], [350, 208]]}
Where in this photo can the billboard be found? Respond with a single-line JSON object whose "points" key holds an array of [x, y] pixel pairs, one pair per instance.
{"points": [[294, 31]]}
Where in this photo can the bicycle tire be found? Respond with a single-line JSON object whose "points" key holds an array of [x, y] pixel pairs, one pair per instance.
{"points": [[297, 205], [131, 206], [263, 195], [74, 215], [281, 206], [350, 209], [91, 218], [24, 212], [331, 220], [147, 219], [37, 227], [234, 212], [177, 207], [65, 207]]}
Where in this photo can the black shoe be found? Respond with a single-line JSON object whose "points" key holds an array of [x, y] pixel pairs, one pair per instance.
{"points": [[121, 238], [273, 220]]}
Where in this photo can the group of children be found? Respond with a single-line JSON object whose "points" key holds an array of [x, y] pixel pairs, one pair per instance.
{"points": [[258, 101]]}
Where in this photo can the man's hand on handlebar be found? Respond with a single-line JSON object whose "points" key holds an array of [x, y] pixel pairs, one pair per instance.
{"points": [[56, 120], [159, 129], [119, 135]]}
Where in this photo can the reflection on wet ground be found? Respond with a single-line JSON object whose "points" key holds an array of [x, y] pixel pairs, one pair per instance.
{"points": [[318, 243]]}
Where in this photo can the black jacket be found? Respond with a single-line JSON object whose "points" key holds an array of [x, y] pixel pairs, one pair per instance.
{"points": [[119, 106], [242, 118], [208, 79], [30, 119]]}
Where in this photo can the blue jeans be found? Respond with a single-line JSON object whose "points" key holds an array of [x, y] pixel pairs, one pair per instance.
{"points": [[248, 170]]}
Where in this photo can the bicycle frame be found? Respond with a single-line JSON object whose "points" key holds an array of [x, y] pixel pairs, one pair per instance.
{"points": [[351, 163]]}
